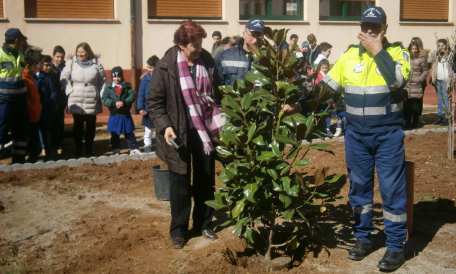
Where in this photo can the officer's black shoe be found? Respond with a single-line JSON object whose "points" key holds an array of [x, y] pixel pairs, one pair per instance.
{"points": [[360, 250], [391, 261], [209, 234]]}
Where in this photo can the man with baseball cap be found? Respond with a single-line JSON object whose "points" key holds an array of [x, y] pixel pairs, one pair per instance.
{"points": [[13, 108], [371, 74], [234, 63]]}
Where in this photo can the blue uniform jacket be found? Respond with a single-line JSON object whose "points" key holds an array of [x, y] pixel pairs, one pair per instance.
{"points": [[232, 64], [142, 96]]}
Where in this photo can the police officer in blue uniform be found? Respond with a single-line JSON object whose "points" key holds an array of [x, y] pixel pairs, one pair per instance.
{"points": [[371, 75], [13, 104], [234, 63]]}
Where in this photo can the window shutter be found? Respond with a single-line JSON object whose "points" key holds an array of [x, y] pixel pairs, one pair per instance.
{"points": [[210, 9], [2, 14], [70, 9], [424, 10]]}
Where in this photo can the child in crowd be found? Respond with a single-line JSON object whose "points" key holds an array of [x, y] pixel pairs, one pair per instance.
{"points": [[32, 58], [58, 63], [119, 97], [324, 50], [52, 102], [146, 78], [320, 74]]}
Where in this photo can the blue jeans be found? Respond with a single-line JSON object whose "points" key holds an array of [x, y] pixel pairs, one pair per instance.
{"points": [[442, 96]]}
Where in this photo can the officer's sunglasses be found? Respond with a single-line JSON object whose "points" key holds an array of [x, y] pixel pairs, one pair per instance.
{"points": [[257, 35]]}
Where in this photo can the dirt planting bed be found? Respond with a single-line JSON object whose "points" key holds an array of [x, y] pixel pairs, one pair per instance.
{"points": [[105, 219]]}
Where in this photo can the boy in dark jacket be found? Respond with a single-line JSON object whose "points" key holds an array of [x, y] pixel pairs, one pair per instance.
{"points": [[119, 97], [52, 101], [141, 102]]}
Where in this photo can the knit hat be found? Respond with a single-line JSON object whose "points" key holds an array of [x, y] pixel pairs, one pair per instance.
{"points": [[117, 72]]}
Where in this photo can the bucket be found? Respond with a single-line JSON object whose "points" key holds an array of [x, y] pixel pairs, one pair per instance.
{"points": [[161, 183]]}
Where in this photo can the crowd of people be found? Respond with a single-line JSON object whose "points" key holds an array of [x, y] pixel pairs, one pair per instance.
{"points": [[178, 101], [55, 86]]}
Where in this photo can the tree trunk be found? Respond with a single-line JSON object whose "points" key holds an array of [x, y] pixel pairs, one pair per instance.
{"points": [[268, 255], [451, 123]]}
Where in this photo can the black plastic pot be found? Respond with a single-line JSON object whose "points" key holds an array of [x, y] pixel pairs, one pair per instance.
{"points": [[161, 183]]}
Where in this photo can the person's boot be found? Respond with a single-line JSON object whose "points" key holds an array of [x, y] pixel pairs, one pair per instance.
{"points": [[360, 250], [391, 261]]}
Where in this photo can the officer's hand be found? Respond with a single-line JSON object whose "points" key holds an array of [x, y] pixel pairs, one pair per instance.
{"points": [[169, 135], [372, 44]]}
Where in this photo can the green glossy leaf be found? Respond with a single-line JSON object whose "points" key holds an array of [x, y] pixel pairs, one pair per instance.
{"points": [[259, 141], [273, 174], [223, 152], [266, 155], [251, 132], [248, 235], [285, 199], [249, 192], [321, 147], [215, 205], [286, 183], [246, 101], [276, 149], [230, 102], [294, 190], [237, 210], [333, 179], [276, 186]]}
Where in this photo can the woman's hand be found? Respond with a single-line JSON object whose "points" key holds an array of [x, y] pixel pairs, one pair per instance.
{"points": [[169, 135], [143, 112]]}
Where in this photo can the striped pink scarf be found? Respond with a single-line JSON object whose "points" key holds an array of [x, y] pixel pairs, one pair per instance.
{"points": [[205, 114]]}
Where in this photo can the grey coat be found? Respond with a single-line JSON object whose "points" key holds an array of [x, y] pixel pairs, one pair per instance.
{"points": [[84, 83]]}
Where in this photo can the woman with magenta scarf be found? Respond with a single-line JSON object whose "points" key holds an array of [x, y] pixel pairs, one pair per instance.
{"points": [[182, 106]]}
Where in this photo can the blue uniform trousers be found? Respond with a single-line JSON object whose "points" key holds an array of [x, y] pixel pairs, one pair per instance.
{"points": [[385, 151], [13, 118]]}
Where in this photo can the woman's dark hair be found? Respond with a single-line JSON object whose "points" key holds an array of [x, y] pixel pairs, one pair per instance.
{"points": [[58, 49], [417, 42], [152, 61], [85, 46], [294, 36], [189, 32]]}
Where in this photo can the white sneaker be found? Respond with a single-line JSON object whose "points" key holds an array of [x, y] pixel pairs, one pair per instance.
{"points": [[135, 152], [338, 132]]}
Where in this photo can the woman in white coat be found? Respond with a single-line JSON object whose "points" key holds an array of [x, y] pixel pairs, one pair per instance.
{"points": [[84, 78]]}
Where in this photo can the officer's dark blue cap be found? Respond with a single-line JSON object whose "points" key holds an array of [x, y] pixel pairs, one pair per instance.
{"points": [[374, 15], [12, 34], [255, 25]]}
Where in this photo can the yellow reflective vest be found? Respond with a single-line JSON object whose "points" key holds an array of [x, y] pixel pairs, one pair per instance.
{"points": [[11, 74], [372, 94]]}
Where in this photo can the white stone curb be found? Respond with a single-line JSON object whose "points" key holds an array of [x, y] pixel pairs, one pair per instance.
{"points": [[100, 160]]}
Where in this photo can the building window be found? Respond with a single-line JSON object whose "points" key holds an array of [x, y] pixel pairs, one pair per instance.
{"points": [[271, 9], [343, 10], [2, 14], [178, 9], [70, 9], [430, 10]]}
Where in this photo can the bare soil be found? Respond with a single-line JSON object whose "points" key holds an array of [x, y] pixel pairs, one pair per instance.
{"points": [[105, 219]]}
